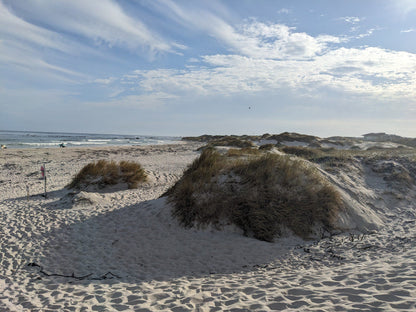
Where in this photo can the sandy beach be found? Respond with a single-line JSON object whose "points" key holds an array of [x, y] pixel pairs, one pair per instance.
{"points": [[121, 250]]}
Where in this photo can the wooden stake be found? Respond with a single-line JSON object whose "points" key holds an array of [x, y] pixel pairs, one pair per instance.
{"points": [[44, 177]]}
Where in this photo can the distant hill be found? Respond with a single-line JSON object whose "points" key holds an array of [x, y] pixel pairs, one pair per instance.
{"points": [[282, 137], [383, 137], [310, 140]]}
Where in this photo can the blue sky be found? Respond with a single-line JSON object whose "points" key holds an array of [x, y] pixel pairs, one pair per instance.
{"points": [[167, 67]]}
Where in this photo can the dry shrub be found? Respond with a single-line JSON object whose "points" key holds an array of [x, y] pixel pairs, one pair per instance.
{"points": [[231, 141], [326, 157], [103, 173], [259, 194], [304, 152], [234, 152], [132, 173], [267, 147]]}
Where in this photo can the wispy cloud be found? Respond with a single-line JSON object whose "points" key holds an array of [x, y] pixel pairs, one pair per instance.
{"points": [[37, 45], [350, 19], [368, 33], [283, 11], [253, 39], [354, 21], [13, 27], [102, 21], [408, 30], [25, 46], [23, 58]]}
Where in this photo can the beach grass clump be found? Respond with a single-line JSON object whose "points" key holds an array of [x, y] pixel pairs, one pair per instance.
{"points": [[300, 151], [104, 173], [232, 142], [238, 152], [267, 147], [325, 157], [261, 194]]}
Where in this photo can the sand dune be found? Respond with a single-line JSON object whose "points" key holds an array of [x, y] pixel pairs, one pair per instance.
{"points": [[122, 251]]}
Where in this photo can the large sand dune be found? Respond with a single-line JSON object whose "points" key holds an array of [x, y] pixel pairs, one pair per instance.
{"points": [[120, 250]]}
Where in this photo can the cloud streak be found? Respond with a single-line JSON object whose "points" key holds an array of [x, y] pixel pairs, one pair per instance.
{"points": [[254, 39], [102, 21], [26, 59], [408, 30], [37, 35]]}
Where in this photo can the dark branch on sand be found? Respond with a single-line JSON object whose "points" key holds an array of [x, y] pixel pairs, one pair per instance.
{"points": [[107, 275]]}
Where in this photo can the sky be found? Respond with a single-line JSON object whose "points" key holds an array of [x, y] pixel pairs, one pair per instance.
{"points": [[179, 67]]}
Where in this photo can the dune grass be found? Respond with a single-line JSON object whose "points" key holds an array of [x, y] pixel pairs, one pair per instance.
{"points": [[104, 173], [232, 142], [261, 193]]}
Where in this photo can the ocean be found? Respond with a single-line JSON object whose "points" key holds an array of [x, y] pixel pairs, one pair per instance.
{"points": [[33, 139]]}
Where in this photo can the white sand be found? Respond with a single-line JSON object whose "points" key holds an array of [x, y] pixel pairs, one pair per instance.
{"points": [[156, 265]]}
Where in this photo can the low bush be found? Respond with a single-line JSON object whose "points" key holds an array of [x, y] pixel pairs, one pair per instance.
{"points": [[103, 173], [261, 194], [304, 152], [267, 147], [234, 152], [232, 142], [326, 157]]}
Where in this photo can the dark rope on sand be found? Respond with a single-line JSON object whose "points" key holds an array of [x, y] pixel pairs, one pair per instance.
{"points": [[107, 275]]}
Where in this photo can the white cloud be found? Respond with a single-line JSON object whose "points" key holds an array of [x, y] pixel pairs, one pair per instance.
{"points": [[408, 30], [102, 21], [37, 45], [369, 72], [21, 57], [253, 39], [277, 41], [350, 19], [15, 28], [283, 11], [368, 33], [27, 48]]}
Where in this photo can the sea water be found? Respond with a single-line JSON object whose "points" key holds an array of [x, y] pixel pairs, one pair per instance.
{"points": [[32, 139]]}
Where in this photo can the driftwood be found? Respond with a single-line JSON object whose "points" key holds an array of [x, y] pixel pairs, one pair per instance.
{"points": [[107, 275]]}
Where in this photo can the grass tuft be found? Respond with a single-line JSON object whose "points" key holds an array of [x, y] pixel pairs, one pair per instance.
{"points": [[261, 194], [246, 151], [232, 142], [103, 173]]}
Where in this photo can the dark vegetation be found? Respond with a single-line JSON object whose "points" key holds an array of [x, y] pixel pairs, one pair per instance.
{"points": [[261, 193], [283, 137], [311, 141], [104, 173]]}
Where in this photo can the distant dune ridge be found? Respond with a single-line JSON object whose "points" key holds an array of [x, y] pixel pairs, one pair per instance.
{"points": [[244, 223], [313, 141]]}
